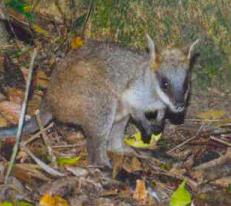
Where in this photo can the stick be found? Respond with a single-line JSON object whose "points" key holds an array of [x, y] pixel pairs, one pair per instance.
{"points": [[45, 139], [186, 141], [22, 116], [44, 166]]}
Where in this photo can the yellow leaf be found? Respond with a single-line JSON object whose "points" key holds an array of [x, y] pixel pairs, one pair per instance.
{"points": [[27, 8], [40, 30], [211, 114], [68, 160], [48, 200], [136, 141], [77, 42]]}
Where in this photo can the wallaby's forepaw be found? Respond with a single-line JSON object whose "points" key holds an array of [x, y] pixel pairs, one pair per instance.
{"points": [[123, 150], [101, 163]]}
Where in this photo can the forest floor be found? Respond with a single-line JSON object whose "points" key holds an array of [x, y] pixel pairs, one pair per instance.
{"points": [[51, 166], [197, 151]]}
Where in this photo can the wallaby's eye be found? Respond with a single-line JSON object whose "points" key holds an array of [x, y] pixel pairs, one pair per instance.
{"points": [[164, 84]]}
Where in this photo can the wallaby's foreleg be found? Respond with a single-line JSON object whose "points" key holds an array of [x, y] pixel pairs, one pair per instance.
{"points": [[97, 150], [160, 120], [97, 134], [116, 137]]}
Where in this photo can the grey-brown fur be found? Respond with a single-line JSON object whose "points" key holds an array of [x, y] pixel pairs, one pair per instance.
{"points": [[101, 86]]}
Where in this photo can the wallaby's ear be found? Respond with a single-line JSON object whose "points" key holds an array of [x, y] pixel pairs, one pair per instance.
{"points": [[151, 47], [190, 49], [152, 52]]}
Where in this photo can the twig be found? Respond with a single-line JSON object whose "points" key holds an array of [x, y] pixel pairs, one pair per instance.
{"points": [[22, 116], [45, 138], [44, 166], [68, 146], [36, 136], [186, 141], [220, 141], [219, 161], [90, 8]]}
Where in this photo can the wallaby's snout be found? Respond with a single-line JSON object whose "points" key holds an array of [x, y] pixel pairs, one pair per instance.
{"points": [[180, 106], [179, 100], [147, 133]]}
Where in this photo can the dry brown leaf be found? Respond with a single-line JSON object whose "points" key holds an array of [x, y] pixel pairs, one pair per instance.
{"points": [[10, 111], [15, 95], [141, 193], [132, 164], [41, 79], [3, 122], [28, 173], [117, 160], [34, 103]]}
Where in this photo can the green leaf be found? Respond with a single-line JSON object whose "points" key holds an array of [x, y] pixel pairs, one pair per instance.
{"points": [[23, 203], [181, 197], [20, 6], [5, 203], [229, 188], [67, 160], [78, 23]]}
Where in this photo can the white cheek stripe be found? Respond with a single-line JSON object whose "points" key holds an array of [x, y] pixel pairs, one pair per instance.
{"points": [[165, 99]]}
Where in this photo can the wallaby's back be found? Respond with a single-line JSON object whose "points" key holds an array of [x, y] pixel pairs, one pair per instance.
{"points": [[88, 82]]}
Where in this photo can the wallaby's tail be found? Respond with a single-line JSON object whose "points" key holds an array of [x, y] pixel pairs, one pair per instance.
{"points": [[29, 127]]}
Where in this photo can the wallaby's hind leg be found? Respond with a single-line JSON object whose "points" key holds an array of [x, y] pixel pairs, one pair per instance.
{"points": [[116, 137]]}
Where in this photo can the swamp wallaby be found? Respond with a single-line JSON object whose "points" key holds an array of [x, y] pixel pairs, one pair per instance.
{"points": [[101, 86]]}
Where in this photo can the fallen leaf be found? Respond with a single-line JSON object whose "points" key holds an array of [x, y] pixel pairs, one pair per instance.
{"points": [[136, 141], [68, 160], [28, 173], [41, 80], [181, 197], [132, 164], [23, 203], [6, 203], [15, 95], [141, 193], [48, 200], [77, 42], [117, 162], [3, 122], [11, 111], [40, 30]]}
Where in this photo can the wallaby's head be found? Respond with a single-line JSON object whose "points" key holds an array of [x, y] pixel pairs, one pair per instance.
{"points": [[172, 68]]}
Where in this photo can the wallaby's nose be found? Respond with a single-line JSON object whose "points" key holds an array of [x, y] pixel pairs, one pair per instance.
{"points": [[180, 106]]}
